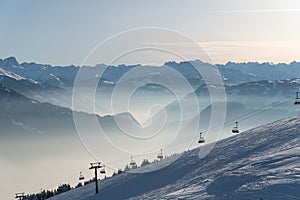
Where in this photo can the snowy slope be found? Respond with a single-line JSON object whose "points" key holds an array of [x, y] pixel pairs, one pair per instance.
{"points": [[10, 74], [262, 163]]}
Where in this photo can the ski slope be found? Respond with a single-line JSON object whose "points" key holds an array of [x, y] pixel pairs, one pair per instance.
{"points": [[262, 163]]}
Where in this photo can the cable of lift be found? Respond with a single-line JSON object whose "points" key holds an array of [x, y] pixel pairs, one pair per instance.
{"points": [[245, 116], [241, 118]]}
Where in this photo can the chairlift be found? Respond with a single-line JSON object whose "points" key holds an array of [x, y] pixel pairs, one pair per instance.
{"points": [[235, 129], [160, 155], [102, 170], [201, 139], [81, 177], [132, 162], [297, 100]]}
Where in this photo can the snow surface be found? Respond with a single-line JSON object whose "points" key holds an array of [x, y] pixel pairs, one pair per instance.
{"points": [[11, 75], [262, 163]]}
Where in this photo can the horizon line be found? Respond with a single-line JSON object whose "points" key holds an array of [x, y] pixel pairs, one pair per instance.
{"points": [[141, 64]]}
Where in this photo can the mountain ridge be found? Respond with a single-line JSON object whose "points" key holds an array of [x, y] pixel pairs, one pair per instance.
{"points": [[18, 111], [250, 71]]}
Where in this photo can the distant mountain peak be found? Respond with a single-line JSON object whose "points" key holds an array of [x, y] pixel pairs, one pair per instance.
{"points": [[126, 116], [10, 61]]}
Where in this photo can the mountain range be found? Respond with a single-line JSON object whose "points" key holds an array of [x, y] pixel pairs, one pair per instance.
{"points": [[232, 73], [40, 89], [36, 108]]}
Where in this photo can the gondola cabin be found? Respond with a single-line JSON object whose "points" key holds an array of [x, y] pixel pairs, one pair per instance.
{"points": [[102, 170], [132, 162], [81, 177], [297, 100], [160, 155], [235, 129], [201, 139]]}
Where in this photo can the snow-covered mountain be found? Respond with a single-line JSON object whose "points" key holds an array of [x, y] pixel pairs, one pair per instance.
{"points": [[21, 116], [53, 84], [262, 163], [31, 96], [233, 73], [56, 76], [268, 88], [27, 86], [261, 71]]}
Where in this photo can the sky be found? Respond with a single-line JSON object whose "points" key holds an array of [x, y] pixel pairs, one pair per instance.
{"points": [[63, 32]]}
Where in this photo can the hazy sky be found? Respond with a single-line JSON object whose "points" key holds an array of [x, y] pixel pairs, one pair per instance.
{"points": [[62, 32]]}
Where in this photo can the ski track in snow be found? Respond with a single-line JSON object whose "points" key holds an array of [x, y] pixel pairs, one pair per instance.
{"points": [[262, 163]]}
